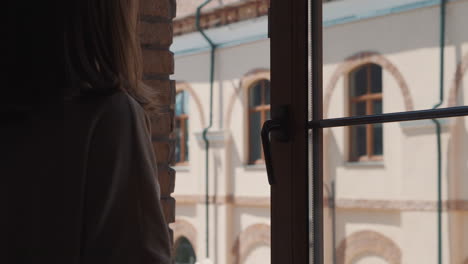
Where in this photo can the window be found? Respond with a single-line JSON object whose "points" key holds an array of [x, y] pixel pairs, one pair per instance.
{"points": [[366, 141], [184, 253], [259, 112], [181, 128]]}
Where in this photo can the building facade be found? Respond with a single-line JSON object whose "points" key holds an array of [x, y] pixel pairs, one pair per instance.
{"points": [[381, 182]]}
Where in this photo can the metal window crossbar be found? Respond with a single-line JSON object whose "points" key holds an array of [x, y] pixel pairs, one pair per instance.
{"points": [[390, 117]]}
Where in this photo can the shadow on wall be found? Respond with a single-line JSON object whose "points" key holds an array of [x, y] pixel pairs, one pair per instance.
{"points": [[234, 161], [333, 157], [394, 33]]}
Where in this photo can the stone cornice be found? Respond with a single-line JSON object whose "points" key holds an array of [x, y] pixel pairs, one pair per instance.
{"points": [[217, 136], [223, 16], [247, 201], [343, 204], [398, 205]]}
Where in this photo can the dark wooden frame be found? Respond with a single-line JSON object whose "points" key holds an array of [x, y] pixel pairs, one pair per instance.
{"points": [[182, 120], [369, 98], [289, 75], [263, 108]]}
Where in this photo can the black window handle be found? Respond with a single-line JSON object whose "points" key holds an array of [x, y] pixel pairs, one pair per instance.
{"points": [[280, 126]]}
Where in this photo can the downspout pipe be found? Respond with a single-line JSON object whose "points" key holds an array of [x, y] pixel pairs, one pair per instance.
{"points": [[332, 203], [210, 124], [443, 4]]}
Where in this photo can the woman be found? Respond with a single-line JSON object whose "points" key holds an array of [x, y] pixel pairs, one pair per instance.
{"points": [[78, 170]]}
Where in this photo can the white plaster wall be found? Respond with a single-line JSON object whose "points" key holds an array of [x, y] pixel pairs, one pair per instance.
{"points": [[370, 260], [260, 254], [408, 40]]}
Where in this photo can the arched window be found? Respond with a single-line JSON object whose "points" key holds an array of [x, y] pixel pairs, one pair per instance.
{"points": [[184, 253], [366, 141], [259, 112], [181, 128]]}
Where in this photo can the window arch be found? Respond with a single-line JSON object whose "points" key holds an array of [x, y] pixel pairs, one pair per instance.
{"points": [[184, 252], [365, 98], [259, 112], [249, 239], [181, 129], [367, 243]]}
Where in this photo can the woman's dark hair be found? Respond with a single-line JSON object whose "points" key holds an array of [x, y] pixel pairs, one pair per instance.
{"points": [[102, 50], [71, 48]]}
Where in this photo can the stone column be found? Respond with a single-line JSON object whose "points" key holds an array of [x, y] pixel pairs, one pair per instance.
{"points": [[158, 64]]}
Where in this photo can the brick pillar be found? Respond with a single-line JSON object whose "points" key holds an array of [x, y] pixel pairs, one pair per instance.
{"points": [[158, 64]]}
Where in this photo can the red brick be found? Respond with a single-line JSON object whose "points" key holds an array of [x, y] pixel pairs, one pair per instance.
{"points": [[164, 151], [160, 8], [168, 206], [156, 34], [162, 124], [164, 91], [159, 62], [166, 177]]}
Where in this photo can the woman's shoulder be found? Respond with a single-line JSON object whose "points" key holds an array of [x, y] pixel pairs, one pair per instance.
{"points": [[122, 109], [121, 104]]}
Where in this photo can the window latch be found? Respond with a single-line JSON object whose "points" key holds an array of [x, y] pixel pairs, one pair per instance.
{"points": [[280, 127]]}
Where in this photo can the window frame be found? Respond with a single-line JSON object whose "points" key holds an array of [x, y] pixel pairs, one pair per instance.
{"points": [[368, 98], [183, 119], [263, 108]]}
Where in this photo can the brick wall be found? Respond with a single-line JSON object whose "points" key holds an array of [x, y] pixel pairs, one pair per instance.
{"points": [[158, 64]]}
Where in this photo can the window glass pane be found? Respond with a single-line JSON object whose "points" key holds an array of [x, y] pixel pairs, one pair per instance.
{"points": [[409, 78], [255, 94], [186, 103], [177, 133], [182, 103], [378, 139], [358, 109], [267, 92], [254, 134], [376, 78], [377, 107], [359, 82], [358, 142], [184, 252], [268, 115], [179, 109], [393, 203], [186, 134]]}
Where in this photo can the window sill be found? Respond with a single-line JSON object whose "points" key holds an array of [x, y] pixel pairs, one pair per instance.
{"points": [[255, 167], [181, 168], [365, 164]]}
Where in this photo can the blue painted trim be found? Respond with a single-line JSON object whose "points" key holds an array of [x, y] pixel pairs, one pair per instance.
{"points": [[223, 45], [382, 12], [327, 23]]}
